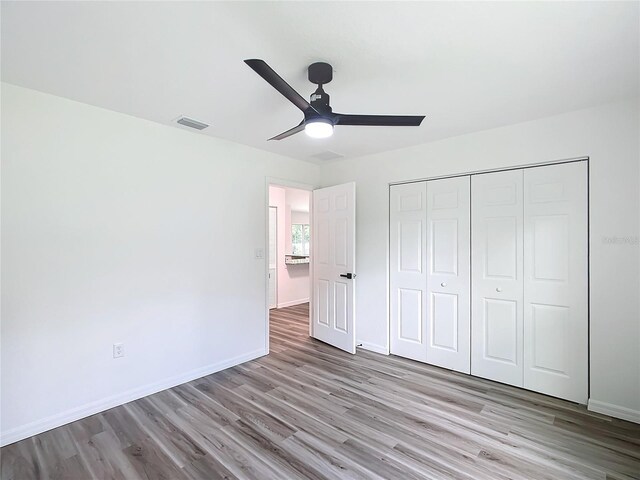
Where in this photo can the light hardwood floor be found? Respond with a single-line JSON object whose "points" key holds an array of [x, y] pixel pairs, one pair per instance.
{"points": [[309, 411]]}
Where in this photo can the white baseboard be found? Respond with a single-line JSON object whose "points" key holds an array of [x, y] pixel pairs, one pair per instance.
{"points": [[293, 302], [614, 411], [71, 415], [373, 347]]}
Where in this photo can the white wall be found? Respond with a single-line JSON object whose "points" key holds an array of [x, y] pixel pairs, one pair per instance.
{"points": [[609, 135], [299, 217], [116, 229], [293, 280]]}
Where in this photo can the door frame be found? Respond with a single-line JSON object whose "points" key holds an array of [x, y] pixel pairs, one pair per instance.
{"points": [[493, 170], [268, 255], [285, 183]]}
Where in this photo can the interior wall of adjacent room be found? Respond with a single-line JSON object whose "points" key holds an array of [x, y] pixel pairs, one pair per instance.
{"points": [[120, 230], [293, 280], [608, 134]]}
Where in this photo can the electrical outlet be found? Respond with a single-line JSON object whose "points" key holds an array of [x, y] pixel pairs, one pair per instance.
{"points": [[118, 350], [259, 253]]}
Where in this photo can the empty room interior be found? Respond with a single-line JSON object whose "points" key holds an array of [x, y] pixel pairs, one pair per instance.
{"points": [[320, 240]]}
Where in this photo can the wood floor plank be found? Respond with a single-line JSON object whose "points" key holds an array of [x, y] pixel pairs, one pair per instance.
{"points": [[310, 411]]}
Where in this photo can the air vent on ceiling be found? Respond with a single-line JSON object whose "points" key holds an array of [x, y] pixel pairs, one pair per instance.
{"points": [[328, 155], [190, 122]]}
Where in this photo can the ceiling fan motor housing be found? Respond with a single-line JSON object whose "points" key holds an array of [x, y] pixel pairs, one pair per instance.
{"points": [[320, 73]]}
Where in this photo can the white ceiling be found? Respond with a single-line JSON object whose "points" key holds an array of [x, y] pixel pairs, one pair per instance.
{"points": [[467, 66]]}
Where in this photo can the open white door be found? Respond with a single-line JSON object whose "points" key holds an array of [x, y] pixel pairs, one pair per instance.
{"points": [[333, 260]]}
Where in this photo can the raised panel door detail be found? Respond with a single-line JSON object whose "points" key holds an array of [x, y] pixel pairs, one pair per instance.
{"points": [[550, 247], [543, 192], [323, 205], [410, 243], [341, 247], [410, 202], [501, 330], [410, 315], [341, 202], [444, 200], [444, 246], [444, 321], [501, 247], [323, 302], [322, 249], [341, 305], [501, 195], [549, 338]]}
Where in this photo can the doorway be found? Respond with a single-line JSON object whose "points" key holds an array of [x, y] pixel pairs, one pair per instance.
{"points": [[289, 235], [314, 260]]}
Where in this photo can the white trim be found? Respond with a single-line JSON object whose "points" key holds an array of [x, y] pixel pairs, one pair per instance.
{"points": [[373, 347], [73, 414], [614, 410], [493, 170], [269, 267], [291, 303]]}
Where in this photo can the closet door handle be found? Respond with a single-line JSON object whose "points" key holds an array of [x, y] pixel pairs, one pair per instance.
{"points": [[443, 284], [498, 289]]}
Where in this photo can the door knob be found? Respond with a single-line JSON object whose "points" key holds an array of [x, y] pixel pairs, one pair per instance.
{"points": [[498, 289], [443, 284], [348, 275]]}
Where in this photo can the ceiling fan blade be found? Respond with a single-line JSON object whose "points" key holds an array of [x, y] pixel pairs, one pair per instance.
{"points": [[277, 82], [379, 120], [288, 133]]}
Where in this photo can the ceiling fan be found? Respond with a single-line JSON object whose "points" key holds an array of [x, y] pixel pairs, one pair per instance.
{"points": [[319, 119]]}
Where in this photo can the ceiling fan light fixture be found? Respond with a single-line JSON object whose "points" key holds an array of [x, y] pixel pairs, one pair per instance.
{"points": [[318, 128], [319, 118]]}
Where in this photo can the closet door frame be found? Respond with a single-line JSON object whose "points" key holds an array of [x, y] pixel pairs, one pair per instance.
{"points": [[492, 170]]}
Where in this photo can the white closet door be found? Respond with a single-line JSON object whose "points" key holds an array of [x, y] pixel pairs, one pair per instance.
{"points": [[555, 286], [497, 276], [408, 215], [448, 247]]}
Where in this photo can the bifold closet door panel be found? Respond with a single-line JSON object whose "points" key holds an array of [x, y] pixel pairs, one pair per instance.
{"points": [[556, 279], [497, 276], [408, 272], [448, 282]]}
